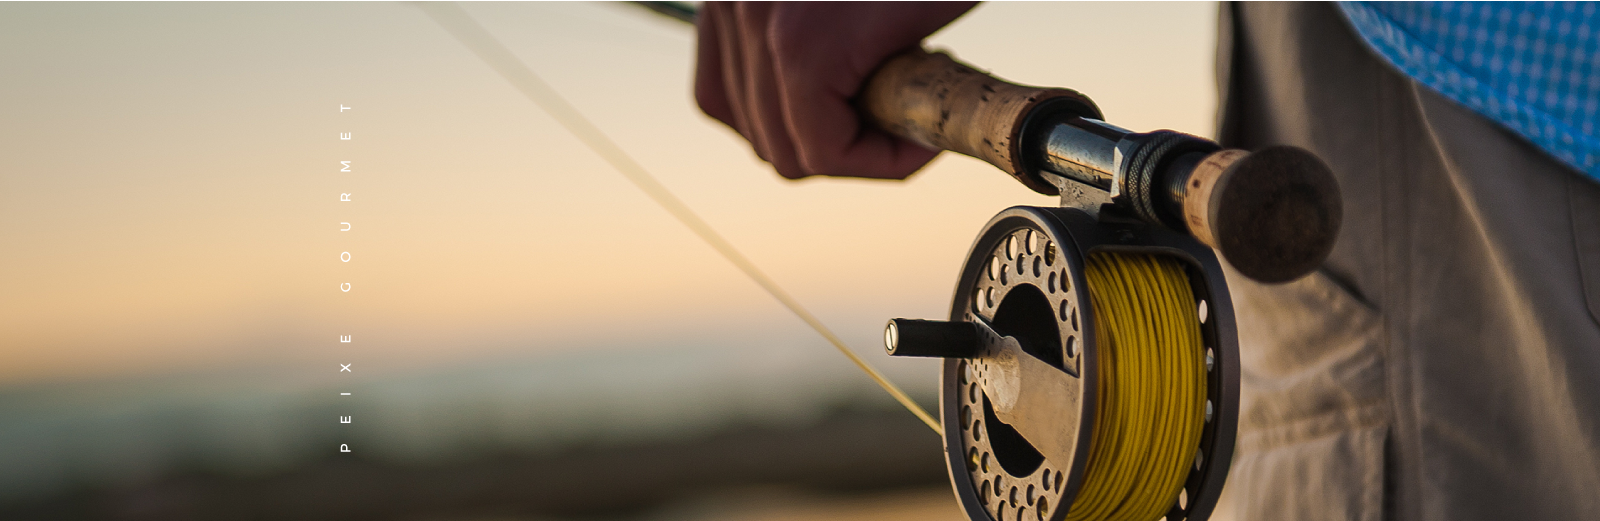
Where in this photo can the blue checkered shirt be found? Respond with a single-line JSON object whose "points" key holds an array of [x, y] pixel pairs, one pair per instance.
{"points": [[1532, 67]]}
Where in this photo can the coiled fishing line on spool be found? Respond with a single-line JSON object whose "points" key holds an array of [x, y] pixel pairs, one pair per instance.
{"points": [[1152, 387], [1090, 371]]}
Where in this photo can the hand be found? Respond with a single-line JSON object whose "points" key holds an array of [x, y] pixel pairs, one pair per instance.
{"points": [[784, 75]]}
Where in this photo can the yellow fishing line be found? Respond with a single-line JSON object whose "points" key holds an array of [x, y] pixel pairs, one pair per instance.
{"points": [[1151, 403]]}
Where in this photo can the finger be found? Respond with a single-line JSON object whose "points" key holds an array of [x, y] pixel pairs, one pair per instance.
{"points": [[769, 131], [832, 139], [830, 136], [873, 154], [709, 90], [732, 47]]}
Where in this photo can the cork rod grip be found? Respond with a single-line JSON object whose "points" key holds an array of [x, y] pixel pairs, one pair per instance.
{"points": [[941, 103]]}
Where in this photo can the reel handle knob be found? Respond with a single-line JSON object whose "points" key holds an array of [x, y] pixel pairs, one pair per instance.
{"points": [[930, 338]]}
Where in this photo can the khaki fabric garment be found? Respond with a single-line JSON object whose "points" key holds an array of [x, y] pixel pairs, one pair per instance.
{"points": [[1445, 364]]}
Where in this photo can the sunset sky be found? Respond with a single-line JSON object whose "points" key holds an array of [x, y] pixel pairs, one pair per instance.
{"points": [[169, 182]]}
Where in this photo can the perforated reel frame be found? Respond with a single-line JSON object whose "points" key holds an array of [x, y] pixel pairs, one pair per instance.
{"points": [[1013, 279]]}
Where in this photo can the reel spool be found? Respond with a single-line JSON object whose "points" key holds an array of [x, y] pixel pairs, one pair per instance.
{"points": [[1051, 409]]}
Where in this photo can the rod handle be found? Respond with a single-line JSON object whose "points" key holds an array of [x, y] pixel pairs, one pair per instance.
{"points": [[941, 103]]}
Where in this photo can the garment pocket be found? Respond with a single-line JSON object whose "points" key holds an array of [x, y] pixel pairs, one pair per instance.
{"points": [[1336, 477], [1307, 349], [1313, 416], [1584, 197]]}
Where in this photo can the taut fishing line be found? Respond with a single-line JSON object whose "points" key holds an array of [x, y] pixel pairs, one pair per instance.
{"points": [[459, 24]]}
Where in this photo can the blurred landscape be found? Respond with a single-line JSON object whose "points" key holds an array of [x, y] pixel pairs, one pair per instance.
{"points": [[614, 435], [532, 338]]}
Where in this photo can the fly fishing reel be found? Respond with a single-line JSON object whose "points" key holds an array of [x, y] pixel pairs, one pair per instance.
{"points": [[1028, 370], [1091, 359]]}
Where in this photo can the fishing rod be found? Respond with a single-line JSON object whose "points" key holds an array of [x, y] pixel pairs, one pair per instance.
{"points": [[1090, 353], [1272, 213]]}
